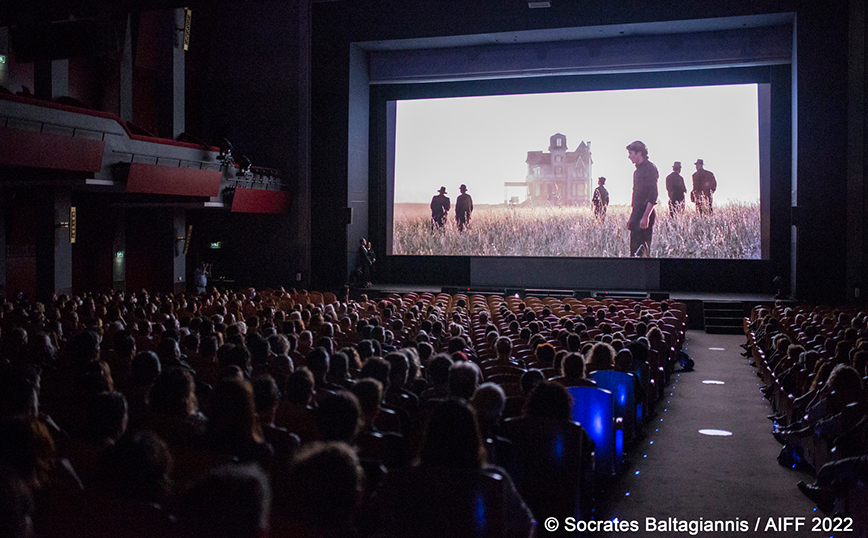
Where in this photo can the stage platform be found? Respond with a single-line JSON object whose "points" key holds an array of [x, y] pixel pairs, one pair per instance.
{"points": [[382, 290]]}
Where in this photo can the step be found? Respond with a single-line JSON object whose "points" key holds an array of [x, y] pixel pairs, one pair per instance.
{"points": [[722, 329]]}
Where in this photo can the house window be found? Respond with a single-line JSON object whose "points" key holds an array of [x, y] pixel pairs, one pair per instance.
{"points": [[559, 170], [559, 158], [559, 142], [536, 171]]}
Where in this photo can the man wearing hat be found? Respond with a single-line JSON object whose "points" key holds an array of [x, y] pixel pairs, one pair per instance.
{"points": [[676, 189], [600, 199], [439, 208], [463, 208], [704, 185]]}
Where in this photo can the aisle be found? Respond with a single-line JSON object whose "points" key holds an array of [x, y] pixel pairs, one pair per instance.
{"points": [[676, 472]]}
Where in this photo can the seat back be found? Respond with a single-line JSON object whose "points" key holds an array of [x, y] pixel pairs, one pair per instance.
{"points": [[425, 502], [551, 462], [594, 409], [622, 387]]}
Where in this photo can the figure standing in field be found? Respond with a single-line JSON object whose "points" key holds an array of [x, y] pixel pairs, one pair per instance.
{"points": [[676, 189], [641, 223], [600, 199], [439, 208], [704, 185], [463, 208]]}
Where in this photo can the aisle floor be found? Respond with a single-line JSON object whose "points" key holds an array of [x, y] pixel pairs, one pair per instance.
{"points": [[677, 472]]}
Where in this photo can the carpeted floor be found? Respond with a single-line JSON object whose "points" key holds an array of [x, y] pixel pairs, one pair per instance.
{"points": [[676, 472]]}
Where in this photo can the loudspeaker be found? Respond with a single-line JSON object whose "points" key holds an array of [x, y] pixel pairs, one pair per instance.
{"points": [[348, 215], [658, 296], [582, 294]]}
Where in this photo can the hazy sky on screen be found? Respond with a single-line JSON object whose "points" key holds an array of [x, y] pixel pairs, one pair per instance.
{"points": [[483, 141]]}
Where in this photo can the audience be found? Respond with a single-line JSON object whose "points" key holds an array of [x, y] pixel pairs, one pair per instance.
{"points": [[139, 401]]}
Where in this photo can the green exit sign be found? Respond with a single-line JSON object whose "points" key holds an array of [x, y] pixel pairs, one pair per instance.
{"points": [[2, 59]]}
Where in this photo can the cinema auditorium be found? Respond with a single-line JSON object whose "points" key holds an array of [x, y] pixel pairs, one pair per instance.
{"points": [[430, 268]]}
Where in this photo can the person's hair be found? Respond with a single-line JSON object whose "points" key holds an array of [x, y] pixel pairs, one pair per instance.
{"points": [[16, 506], [601, 357], [452, 438], [318, 362], [456, 343], [438, 369], [503, 345], [489, 401], [550, 400], [573, 365], [845, 378], [369, 393], [137, 467], [18, 397], [299, 386], [530, 379], [324, 486], [338, 417], [232, 415], [463, 379], [106, 415], [174, 393], [376, 368], [545, 353], [233, 501], [27, 448], [265, 393]]}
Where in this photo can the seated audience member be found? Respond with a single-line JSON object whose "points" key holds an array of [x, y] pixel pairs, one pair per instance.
{"points": [[132, 483], [833, 481], [464, 377], [233, 501], [27, 449], [174, 410], [438, 378], [266, 397], [489, 402], [601, 357], [396, 393], [233, 427], [503, 348], [338, 417], [295, 412], [529, 381], [321, 495], [16, 506], [439, 496], [339, 371], [573, 372], [551, 482]]}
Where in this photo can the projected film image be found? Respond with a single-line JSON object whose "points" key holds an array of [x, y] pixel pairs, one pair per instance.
{"points": [[549, 174]]}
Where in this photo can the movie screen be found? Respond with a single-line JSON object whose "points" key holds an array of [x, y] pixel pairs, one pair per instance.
{"points": [[549, 174]]}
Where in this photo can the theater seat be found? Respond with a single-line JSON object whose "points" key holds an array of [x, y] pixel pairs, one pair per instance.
{"points": [[552, 462], [429, 502], [594, 409], [623, 388]]}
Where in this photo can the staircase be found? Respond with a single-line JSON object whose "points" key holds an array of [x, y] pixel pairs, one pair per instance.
{"points": [[723, 317]]}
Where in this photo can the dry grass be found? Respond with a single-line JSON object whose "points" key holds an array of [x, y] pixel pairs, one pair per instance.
{"points": [[732, 232]]}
